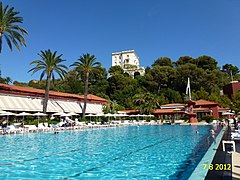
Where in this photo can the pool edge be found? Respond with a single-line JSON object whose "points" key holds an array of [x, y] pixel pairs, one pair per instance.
{"points": [[200, 173]]}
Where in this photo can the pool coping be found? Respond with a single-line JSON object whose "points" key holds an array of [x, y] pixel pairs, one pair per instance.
{"points": [[200, 173]]}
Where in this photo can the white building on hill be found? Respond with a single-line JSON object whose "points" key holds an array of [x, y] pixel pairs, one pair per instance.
{"points": [[129, 61]]}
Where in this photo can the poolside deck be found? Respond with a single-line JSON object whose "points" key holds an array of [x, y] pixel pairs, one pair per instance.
{"points": [[226, 157], [236, 164]]}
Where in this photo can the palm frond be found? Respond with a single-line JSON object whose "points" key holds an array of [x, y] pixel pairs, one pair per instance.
{"points": [[13, 33]]}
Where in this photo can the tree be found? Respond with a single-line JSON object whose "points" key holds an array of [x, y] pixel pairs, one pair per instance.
{"points": [[9, 28], [146, 102], [162, 76], [206, 62], [163, 61], [121, 89], [200, 94], [49, 63], [184, 60], [85, 66], [98, 82], [197, 77], [115, 70], [6, 80], [230, 70]]}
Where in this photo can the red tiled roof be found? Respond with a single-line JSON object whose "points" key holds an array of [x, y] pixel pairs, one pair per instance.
{"points": [[223, 109], [201, 109], [130, 111], [204, 102], [177, 104], [159, 111], [35, 91], [93, 97]]}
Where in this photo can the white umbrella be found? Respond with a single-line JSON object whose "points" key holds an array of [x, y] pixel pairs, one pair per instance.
{"points": [[1, 112], [6, 113], [122, 115], [90, 115], [65, 115], [227, 113], [24, 114], [150, 115], [133, 115], [99, 114], [39, 114], [109, 115], [58, 113], [73, 114]]}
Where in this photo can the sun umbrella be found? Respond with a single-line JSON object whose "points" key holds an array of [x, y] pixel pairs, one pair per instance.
{"points": [[24, 114], [6, 113], [90, 115], [39, 114], [65, 115], [108, 115], [227, 113], [58, 113], [73, 114]]}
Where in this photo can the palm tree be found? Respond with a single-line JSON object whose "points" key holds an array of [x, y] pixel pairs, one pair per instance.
{"points": [[146, 102], [85, 66], [9, 28], [49, 64]]}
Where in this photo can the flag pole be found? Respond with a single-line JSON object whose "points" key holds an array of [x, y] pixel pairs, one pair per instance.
{"points": [[188, 90], [231, 75]]}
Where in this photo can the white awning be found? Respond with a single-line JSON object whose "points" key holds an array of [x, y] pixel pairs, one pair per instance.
{"points": [[74, 106], [94, 108], [19, 103], [70, 106]]}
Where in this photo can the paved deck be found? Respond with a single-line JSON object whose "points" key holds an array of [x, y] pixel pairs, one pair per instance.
{"points": [[227, 157], [236, 165], [221, 157]]}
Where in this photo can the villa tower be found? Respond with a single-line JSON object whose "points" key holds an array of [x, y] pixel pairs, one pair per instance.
{"points": [[129, 61]]}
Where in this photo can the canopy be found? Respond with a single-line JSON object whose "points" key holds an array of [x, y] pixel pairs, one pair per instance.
{"points": [[227, 113], [90, 115], [73, 114], [58, 114], [24, 114], [39, 114]]}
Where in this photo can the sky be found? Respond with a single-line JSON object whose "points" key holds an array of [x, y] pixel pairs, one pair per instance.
{"points": [[153, 28]]}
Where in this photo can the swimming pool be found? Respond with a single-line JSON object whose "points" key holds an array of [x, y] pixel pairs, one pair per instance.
{"points": [[145, 152]]}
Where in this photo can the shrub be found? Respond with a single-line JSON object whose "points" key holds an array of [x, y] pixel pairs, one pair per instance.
{"points": [[207, 118]]}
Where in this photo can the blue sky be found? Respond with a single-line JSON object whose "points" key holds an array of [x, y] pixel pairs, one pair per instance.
{"points": [[153, 28]]}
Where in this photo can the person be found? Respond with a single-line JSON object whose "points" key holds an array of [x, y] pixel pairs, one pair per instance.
{"points": [[235, 122], [4, 131], [213, 135], [197, 132]]}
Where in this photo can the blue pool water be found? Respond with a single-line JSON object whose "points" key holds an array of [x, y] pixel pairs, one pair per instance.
{"points": [[145, 152]]}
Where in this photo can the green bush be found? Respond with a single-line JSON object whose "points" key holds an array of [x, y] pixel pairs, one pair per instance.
{"points": [[207, 118]]}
